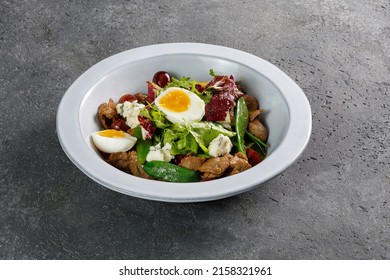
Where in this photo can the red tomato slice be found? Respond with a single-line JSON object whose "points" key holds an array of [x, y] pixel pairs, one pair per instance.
{"points": [[253, 156]]}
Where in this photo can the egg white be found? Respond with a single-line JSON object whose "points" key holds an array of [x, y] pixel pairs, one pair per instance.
{"points": [[113, 144], [194, 113]]}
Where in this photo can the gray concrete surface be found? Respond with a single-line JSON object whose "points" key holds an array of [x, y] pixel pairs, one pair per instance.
{"points": [[333, 203]]}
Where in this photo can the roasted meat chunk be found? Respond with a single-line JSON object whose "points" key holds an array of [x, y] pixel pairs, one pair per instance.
{"points": [[192, 162], [258, 129], [128, 161], [226, 165], [135, 167], [107, 113], [238, 163], [120, 160], [251, 102], [214, 167], [254, 114]]}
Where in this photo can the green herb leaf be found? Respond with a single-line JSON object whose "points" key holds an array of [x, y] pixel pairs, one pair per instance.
{"points": [[260, 144], [205, 132], [156, 116], [183, 82], [181, 140]]}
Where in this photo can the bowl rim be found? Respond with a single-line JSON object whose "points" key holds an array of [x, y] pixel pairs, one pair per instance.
{"points": [[90, 163]]}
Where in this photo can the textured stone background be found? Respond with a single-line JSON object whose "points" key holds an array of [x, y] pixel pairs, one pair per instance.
{"points": [[333, 203]]}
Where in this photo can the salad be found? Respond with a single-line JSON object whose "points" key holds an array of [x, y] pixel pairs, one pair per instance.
{"points": [[183, 130]]}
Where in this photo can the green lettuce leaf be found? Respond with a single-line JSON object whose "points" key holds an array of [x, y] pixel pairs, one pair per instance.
{"points": [[187, 83], [181, 140], [186, 139], [156, 116], [205, 132], [183, 82]]}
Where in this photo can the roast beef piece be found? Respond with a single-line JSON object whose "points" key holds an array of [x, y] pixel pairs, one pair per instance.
{"points": [[251, 102], [258, 129], [227, 165], [254, 114], [192, 162], [238, 163], [135, 167], [128, 161], [120, 160], [214, 167], [107, 113]]}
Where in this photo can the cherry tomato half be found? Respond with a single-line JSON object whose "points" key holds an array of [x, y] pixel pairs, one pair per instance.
{"points": [[127, 97], [253, 156]]}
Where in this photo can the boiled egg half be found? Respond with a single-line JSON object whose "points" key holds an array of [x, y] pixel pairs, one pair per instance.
{"points": [[113, 141], [180, 105]]}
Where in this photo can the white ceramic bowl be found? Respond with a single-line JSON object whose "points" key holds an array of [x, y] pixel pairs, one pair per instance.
{"points": [[288, 115]]}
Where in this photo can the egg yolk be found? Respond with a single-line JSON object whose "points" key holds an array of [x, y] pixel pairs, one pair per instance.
{"points": [[175, 101], [112, 133]]}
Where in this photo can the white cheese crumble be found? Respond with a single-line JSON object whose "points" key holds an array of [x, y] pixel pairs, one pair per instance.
{"points": [[144, 133], [130, 111], [158, 153], [220, 146]]}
